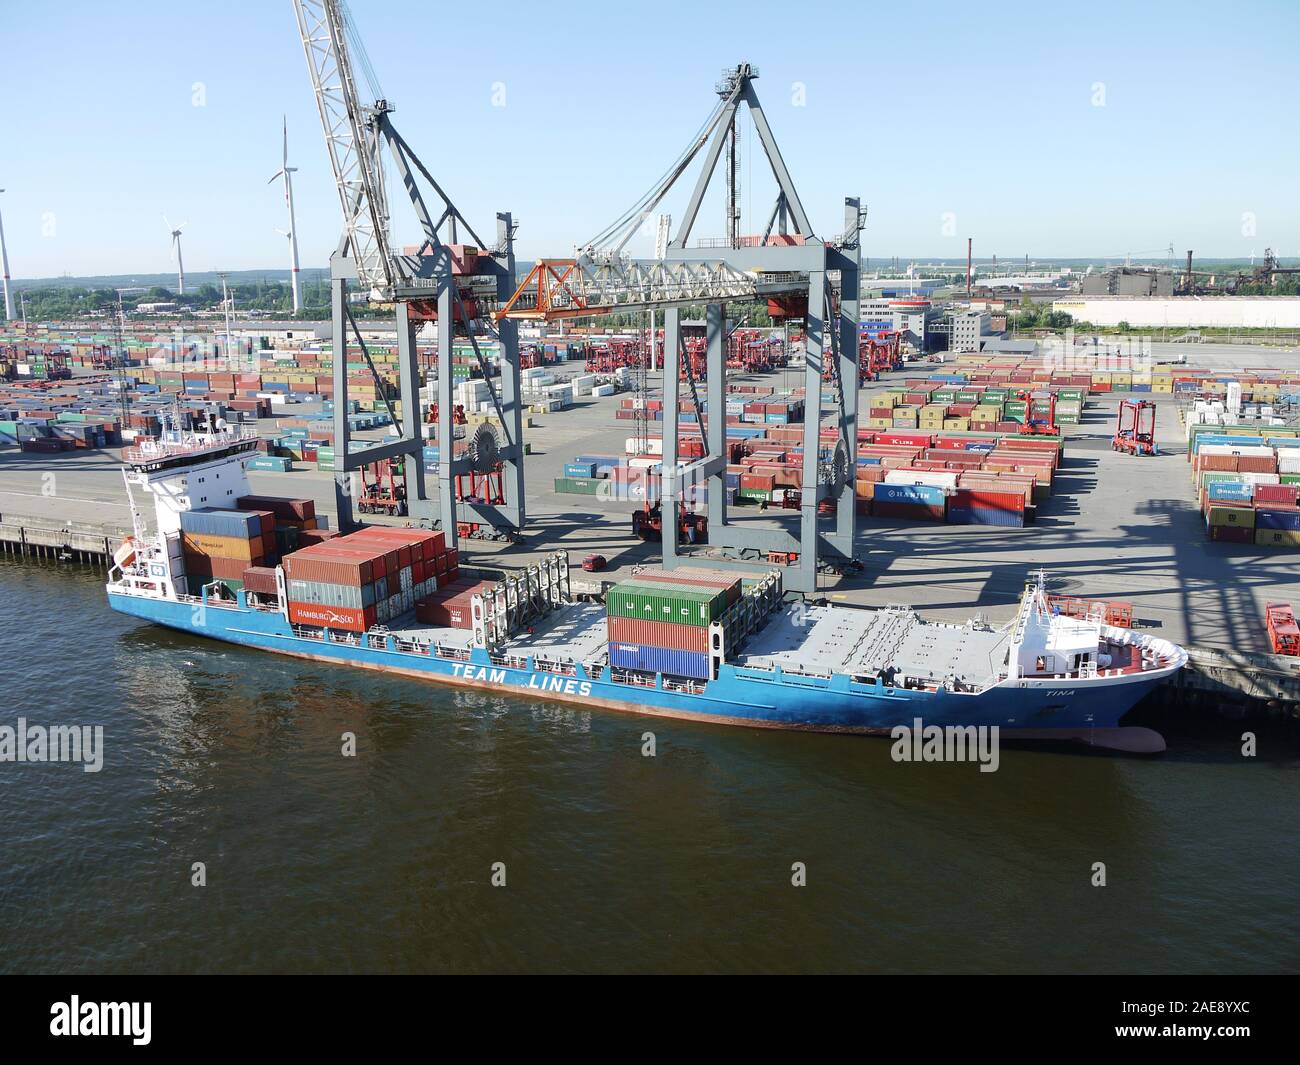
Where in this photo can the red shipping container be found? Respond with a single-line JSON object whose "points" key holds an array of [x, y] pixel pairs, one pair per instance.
{"points": [[762, 481], [1257, 464], [284, 509], [1233, 534], [1277, 493], [307, 537], [451, 607], [1217, 463], [659, 634], [327, 563], [227, 569], [915, 440], [332, 617], [1013, 502], [690, 578], [260, 579]]}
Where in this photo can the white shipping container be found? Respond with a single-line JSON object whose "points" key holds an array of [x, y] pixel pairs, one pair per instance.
{"points": [[1254, 450], [935, 478], [603, 390]]}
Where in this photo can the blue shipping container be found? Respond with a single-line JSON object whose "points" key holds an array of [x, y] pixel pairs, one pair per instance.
{"points": [[649, 659], [930, 495], [1284, 520], [271, 462], [210, 521], [1238, 491], [991, 516]]}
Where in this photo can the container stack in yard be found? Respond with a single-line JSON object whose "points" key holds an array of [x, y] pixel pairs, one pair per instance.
{"points": [[976, 478], [1247, 482], [658, 622]]}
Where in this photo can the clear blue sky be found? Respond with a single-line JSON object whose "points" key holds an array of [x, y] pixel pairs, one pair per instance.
{"points": [[984, 112]]}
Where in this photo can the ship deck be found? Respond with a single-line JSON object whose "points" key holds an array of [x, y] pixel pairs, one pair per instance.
{"points": [[817, 640], [862, 643]]}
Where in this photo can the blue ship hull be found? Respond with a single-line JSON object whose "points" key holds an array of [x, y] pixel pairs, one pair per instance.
{"points": [[1032, 709]]}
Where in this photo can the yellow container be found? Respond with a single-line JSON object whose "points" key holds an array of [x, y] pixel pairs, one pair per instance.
{"points": [[1277, 538], [1242, 517]]}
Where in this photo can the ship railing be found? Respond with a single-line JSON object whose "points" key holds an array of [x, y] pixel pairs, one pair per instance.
{"points": [[187, 444], [411, 647], [510, 661], [377, 640], [308, 632], [564, 669], [684, 684], [459, 654], [353, 639], [216, 604], [799, 671], [631, 676]]}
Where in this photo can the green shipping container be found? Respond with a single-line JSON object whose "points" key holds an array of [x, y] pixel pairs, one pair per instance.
{"points": [[577, 486], [663, 602]]}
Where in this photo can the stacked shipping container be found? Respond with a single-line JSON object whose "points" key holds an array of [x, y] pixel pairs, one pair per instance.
{"points": [[659, 621], [1248, 485], [365, 578]]}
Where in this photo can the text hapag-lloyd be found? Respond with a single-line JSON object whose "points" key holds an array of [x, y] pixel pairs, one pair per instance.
{"points": [[566, 685]]}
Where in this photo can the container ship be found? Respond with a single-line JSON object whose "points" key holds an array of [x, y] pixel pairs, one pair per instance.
{"points": [[219, 562]]}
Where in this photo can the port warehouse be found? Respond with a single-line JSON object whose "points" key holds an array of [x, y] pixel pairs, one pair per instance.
{"points": [[1192, 312]]}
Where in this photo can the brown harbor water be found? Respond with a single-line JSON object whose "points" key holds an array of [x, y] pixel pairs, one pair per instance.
{"points": [[613, 861]]}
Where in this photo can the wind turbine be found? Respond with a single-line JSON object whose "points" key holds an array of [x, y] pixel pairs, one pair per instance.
{"points": [[176, 248], [4, 256], [286, 171]]}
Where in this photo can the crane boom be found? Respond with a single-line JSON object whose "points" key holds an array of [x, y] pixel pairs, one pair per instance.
{"points": [[352, 139], [582, 287]]}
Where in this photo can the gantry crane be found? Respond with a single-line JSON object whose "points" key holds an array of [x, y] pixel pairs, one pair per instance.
{"points": [[439, 280], [797, 273]]}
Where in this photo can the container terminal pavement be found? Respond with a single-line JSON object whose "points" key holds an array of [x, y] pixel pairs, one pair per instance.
{"points": [[1116, 527]]}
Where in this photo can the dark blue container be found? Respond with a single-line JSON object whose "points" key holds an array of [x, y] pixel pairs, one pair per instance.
{"points": [[1283, 520], [1013, 519], [649, 659]]}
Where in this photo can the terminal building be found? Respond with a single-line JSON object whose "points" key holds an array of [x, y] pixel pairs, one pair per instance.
{"points": [[1185, 312]]}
